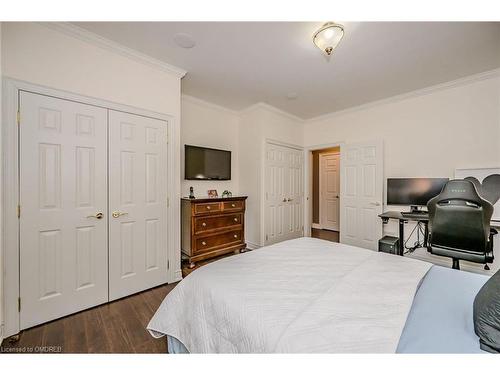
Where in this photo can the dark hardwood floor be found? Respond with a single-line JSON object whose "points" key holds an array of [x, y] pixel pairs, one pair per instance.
{"points": [[116, 327], [323, 234]]}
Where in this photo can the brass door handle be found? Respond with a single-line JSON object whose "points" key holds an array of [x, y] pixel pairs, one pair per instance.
{"points": [[98, 215], [117, 214]]}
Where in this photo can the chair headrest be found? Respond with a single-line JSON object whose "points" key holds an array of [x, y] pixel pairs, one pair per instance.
{"points": [[460, 190]]}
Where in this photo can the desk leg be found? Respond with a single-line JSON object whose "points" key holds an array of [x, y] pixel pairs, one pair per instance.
{"points": [[426, 234], [401, 237]]}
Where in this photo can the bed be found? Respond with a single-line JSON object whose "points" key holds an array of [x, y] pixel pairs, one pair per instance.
{"points": [[313, 296]]}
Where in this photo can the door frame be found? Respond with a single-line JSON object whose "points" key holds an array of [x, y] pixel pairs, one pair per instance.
{"points": [[9, 165], [266, 142], [320, 183], [308, 167]]}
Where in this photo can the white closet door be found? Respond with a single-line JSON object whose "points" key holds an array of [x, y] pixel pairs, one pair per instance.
{"points": [[329, 185], [295, 196], [137, 203], [284, 192], [362, 194], [63, 188], [275, 182]]}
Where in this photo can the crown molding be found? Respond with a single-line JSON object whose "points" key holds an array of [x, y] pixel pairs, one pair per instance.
{"points": [[412, 94], [204, 103], [99, 41], [270, 108]]}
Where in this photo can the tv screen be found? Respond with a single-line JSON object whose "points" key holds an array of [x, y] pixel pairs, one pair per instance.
{"points": [[203, 163], [413, 191]]}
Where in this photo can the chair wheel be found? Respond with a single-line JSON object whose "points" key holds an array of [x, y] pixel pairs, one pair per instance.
{"points": [[486, 267]]}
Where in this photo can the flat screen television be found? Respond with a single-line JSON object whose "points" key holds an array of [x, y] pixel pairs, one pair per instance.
{"points": [[413, 191], [202, 163]]}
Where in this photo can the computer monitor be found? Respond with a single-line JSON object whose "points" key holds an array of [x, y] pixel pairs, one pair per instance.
{"points": [[413, 191]]}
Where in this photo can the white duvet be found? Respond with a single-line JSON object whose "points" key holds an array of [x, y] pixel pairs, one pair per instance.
{"points": [[304, 295]]}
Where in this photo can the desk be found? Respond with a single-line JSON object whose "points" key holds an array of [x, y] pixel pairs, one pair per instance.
{"points": [[396, 215]]}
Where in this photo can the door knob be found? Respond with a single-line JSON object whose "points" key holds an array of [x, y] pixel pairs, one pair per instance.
{"points": [[289, 199], [337, 196], [117, 214], [284, 199], [98, 215]]}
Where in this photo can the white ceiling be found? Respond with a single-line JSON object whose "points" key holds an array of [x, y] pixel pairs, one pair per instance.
{"points": [[237, 64]]}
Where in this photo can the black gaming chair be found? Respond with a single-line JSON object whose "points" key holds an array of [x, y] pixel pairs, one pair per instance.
{"points": [[459, 224]]}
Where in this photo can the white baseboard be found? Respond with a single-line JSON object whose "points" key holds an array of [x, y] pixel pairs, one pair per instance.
{"points": [[252, 246], [316, 226]]}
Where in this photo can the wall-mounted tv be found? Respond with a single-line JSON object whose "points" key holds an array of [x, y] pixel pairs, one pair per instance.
{"points": [[202, 163]]}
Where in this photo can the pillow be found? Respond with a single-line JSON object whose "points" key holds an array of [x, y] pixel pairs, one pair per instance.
{"points": [[487, 315]]}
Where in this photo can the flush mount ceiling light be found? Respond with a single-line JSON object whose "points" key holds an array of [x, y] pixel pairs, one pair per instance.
{"points": [[328, 36]]}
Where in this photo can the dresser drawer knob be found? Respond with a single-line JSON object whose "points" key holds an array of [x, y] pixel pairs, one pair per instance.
{"points": [[235, 236], [208, 207], [233, 205], [203, 243], [235, 219], [203, 224]]}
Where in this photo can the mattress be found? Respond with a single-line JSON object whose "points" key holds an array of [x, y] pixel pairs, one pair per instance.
{"points": [[440, 320], [303, 295]]}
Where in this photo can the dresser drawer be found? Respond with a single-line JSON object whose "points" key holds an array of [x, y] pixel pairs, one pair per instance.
{"points": [[209, 243], [233, 205], [210, 223], [203, 208]]}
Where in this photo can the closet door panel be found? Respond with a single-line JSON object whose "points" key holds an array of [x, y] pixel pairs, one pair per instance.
{"points": [[137, 203], [63, 186]]}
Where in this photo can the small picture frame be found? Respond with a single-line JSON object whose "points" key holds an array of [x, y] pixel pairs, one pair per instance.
{"points": [[212, 193]]}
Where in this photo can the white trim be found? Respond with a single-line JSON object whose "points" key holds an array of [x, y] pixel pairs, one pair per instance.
{"points": [[412, 94], [252, 246], [283, 144], [107, 44], [10, 229], [308, 179], [204, 103], [275, 110]]}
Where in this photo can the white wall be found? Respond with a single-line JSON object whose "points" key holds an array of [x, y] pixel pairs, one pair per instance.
{"points": [[426, 135], [258, 124], [45, 56], [208, 125]]}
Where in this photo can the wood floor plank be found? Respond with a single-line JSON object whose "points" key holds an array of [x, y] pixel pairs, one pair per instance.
{"points": [[116, 327]]}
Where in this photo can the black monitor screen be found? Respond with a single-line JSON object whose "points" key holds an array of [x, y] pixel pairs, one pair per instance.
{"points": [[203, 163], [413, 191]]}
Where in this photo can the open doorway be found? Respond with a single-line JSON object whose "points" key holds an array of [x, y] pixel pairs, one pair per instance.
{"points": [[326, 194]]}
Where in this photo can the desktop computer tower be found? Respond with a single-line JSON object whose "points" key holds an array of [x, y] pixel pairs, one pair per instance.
{"points": [[388, 244]]}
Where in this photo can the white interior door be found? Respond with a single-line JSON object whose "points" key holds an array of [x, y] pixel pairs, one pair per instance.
{"points": [[361, 194], [329, 185], [137, 203], [63, 187], [284, 192]]}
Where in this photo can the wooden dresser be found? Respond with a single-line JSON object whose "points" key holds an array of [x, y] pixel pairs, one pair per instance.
{"points": [[212, 227]]}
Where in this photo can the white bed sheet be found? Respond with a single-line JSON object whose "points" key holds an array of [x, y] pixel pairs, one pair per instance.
{"points": [[303, 295]]}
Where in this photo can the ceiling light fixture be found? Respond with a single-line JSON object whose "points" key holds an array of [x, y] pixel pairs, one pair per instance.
{"points": [[328, 37]]}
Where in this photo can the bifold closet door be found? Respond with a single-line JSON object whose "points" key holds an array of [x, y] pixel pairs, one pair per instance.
{"points": [[284, 193], [63, 198], [137, 203]]}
